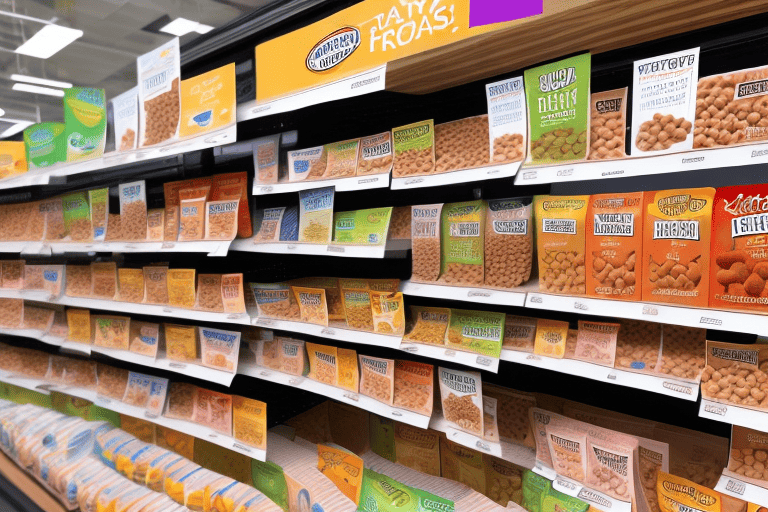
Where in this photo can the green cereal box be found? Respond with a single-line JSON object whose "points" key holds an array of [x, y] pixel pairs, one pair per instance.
{"points": [[463, 234], [77, 216], [45, 144], [99, 201], [361, 227], [539, 496], [342, 159], [414, 149], [475, 331], [85, 120], [558, 110], [381, 493]]}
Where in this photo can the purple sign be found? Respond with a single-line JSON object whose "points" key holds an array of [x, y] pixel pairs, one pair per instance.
{"points": [[485, 12]]}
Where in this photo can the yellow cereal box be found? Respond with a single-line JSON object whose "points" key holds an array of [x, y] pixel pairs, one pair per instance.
{"points": [[112, 331], [311, 305], [323, 363], [181, 288], [343, 468], [181, 342], [131, 282], [249, 418], [349, 374], [208, 101], [79, 325], [13, 159], [388, 313], [550, 338]]}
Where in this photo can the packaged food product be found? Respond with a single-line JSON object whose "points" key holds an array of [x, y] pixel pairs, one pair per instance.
{"points": [[461, 464], [361, 227], [425, 239], [312, 306], [214, 410], [131, 281], [461, 395], [570, 344], [462, 144], [519, 333], [682, 352], [413, 388], [316, 215], [39, 319], [638, 346], [182, 401], [209, 292], [191, 219], [558, 110], [13, 159], [676, 493], [144, 338], [276, 301], [490, 424], [98, 200], [112, 382], [266, 159], [45, 144], [77, 217], [503, 480], [614, 232], [307, 164], [133, 211], [232, 294], [250, 421], [507, 120], [737, 274], [429, 325], [171, 224], [177, 477], [550, 338], [348, 372], [292, 356], [388, 312], [104, 280], [568, 450], [181, 288], [322, 363], [59, 328], [508, 245], [36, 217], [610, 465], [126, 115], [289, 225], [414, 149], [79, 325], [462, 243], [377, 378], [220, 219], [356, 296], [342, 159], [561, 240], [208, 101], [137, 391], [78, 280], [332, 294], [512, 413], [230, 187], [11, 313], [12, 274], [676, 246], [417, 448], [155, 225], [219, 349], [596, 342], [85, 122], [268, 230], [745, 363], [664, 100], [180, 342], [111, 331], [608, 121], [475, 331], [53, 212], [400, 223], [748, 454], [375, 155], [267, 353], [159, 74]]}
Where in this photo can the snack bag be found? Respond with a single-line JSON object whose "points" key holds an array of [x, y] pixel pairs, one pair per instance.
{"points": [[131, 281], [85, 122], [268, 229], [266, 159], [507, 120], [342, 159], [638, 346], [192, 213], [476, 331], [664, 100], [209, 292], [208, 101], [181, 288], [322, 363], [417, 448], [508, 251], [126, 116], [749, 451], [726, 359], [292, 357], [425, 240], [676, 246], [159, 74], [155, 225], [289, 225], [560, 232], [45, 144], [596, 343], [682, 352], [316, 215], [307, 164], [377, 378], [180, 342], [676, 493], [112, 332], [221, 220], [558, 110], [219, 349], [375, 155], [614, 244], [361, 227], [461, 395], [232, 294], [414, 149], [276, 301], [79, 325], [356, 297], [388, 313], [77, 217], [133, 211], [551, 338], [462, 144], [214, 410], [519, 333], [429, 325], [249, 421], [99, 199], [144, 338], [567, 448], [463, 227], [414, 388], [608, 122], [230, 187], [312, 306]]}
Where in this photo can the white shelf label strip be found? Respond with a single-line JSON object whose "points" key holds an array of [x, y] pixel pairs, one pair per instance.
{"points": [[464, 176], [467, 294], [350, 184], [732, 485]]}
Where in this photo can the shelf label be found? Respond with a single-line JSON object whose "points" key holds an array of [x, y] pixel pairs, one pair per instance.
{"points": [[291, 247], [150, 415], [565, 486], [367, 180], [650, 310], [479, 293], [265, 322], [581, 306], [295, 381], [736, 486], [484, 361], [238, 446], [264, 374], [413, 181], [180, 366], [677, 387], [692, 160], [352, 396], [411, 348], [710, 321], [536, 299], [612, 376], [718, 409], [328, 332], [266, 190], [103, 400], [397, 413], [450, 353], [213, 436], [530, 175], [532, 357], [335, 248], [565, 172]]}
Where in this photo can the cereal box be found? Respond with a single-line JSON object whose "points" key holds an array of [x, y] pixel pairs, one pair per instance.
{"points": [[181, 288], [266, 159], [414, 149], [275, 301], [13, 159], [209, 292], [388, 313], [349, 374], [558, 110], [361, 227], [158, 389], [214, 410], [462, 400], [104, 280], [180, 342], [77, 217], [560, 233], [131, 281], [614, 233], [292, 357], [304, 164], [429, 325], [126, 119], [596, 342], [159, 74], [79, 325], [156, 225], [133, 211], [221, 219], [425, 240], [508, 242], [475, 331], [375, 155], [676, 246], [312, 306], [356, 296], [208, 101], [111, 331], [45, 144], [519, 333], [268, 225], [322, 363], [550, 338], [219, 349], [414, 386], [664, 100], [463, 228], [377, 378], [608, 121], [156, 284], [85, 122], [232, 295], [99, 203], [228, 187], [249, 419], [342, 159], [171, 224], [192, 213], [316, 215], [507, 120], [144, 338]]}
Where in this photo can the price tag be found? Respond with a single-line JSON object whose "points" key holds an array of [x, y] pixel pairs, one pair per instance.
{"points": [[411, 348], [532, 357], [650, 310], [581, 306], [450, 353], [536, 299], [150, 416], [180, 366], [328, 332], [484, 361], [612, 376], [266, 190], [240, 447], [265, 374], [336, 248], [352, 396]]}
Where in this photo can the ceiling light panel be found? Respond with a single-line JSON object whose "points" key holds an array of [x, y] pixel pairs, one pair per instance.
{"points": [[36, 89], [48, 41], [203, 29], [180, 27], [40, 81]]}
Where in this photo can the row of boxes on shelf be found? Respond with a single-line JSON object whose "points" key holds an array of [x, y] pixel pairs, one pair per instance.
{"points": [[162, 108]]}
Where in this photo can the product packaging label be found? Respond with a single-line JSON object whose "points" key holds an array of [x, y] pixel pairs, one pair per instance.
{"points": [[85, 120], [507, 120], [414, 149], [208, 101], [361, 227]]}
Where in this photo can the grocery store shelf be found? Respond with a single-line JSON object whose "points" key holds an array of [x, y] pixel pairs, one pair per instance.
{"points": [[197, 371], [444, 353], [451, 178], [704, 318], [466, 294], [25, 382], [733, 414], [350, 184], [356, 85], [732, 485], [524, 456], [644, 166], [334, 333], [187, 427], [74, 347], [39, 492], [44, 176], [342, 395], [655, 384], [391, 249], [211, 247]]}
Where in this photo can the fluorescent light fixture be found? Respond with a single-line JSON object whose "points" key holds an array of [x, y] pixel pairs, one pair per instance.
{"points": [[36, 89], [40, 81], [180, 27], [203, 29], [2, 112], [16, 128], [48, 41]]}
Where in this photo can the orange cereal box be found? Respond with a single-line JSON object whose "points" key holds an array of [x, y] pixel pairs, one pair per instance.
{"points": [[551, 336], [676, 246], [614, 245]]}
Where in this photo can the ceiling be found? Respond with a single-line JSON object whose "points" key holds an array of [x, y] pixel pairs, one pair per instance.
{"points": [[105, 57]]}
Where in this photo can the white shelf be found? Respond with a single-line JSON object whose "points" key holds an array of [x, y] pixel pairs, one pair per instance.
{"points": [[595, 499], [356, 85], [449, 354], [187, 427], [466, 294], [733, 414], [342, 395], [524, 456], [350, 184], [491, 172], [197, 371], [655, 384], [731, 484], [645, 165], [703, 318], [76, 348], [334, 333], [341, 251], [43, 176], [25, 382], [211, 247]]}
